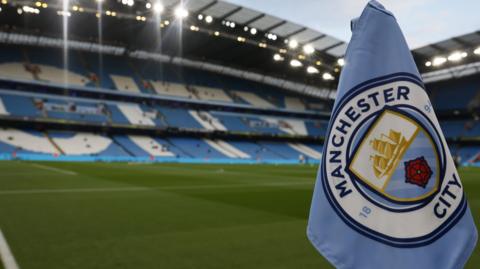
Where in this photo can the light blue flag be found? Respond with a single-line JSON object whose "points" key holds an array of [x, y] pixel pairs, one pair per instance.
{"points": [[388, 194]]}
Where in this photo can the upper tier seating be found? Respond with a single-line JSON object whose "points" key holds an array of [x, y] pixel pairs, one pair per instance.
{"points": [[179, 117], [75, 111], [124, 83], [207, 120], [206, 93], [127, 74], [135, 114], [15, 71], [289, 126], [19, 105], [294, 103], [172, 89], [3, 110], [57, 75], [253, 99], [462, 91]]}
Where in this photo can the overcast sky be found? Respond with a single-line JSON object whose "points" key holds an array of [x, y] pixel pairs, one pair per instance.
{"points": [[422, 21]]}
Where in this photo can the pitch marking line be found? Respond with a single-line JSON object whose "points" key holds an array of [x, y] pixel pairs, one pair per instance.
{"points": [[6, 255], [58, 170], [167, 188]]}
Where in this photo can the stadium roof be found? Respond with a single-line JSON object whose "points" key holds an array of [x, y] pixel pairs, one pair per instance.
{"points": [[233, 35]]}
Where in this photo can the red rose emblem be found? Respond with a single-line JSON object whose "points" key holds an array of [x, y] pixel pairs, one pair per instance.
{"points": [[417, 172]]}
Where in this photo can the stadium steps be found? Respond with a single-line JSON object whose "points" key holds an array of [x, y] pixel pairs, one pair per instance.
{"points": [[226, 149], [27, 60], [114, 141], [306, 150], [170, 143], [54, 144], [137, 74], [87, 67], [273, 151]]}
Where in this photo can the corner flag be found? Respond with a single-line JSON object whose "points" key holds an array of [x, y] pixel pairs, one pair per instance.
{"points": [[388, 194]]}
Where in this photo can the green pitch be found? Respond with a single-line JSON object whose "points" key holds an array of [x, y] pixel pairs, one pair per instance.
{"points": [[70, 215]]}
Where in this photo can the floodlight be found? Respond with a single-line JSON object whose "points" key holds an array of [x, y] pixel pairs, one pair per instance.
{"points": [[312, 70], [293, 44], [295, 63], [180, 12], [341, 62], [253, 31], [456, 56], [437, 61], [158, 8], [277, 57], [308, 49], [327, 76], [208, 19]]}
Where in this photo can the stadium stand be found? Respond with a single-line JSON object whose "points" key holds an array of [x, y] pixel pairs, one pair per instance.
{"points": [[191, 100]]}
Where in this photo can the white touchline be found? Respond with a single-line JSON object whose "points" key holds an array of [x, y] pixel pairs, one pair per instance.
{"points": [[58, 170], [6, 255]]}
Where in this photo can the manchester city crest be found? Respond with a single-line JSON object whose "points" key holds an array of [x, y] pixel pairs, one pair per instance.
{"points": [[387, 170]]}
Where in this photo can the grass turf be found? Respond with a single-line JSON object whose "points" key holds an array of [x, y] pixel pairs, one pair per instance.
{"points": [[165, 215]]}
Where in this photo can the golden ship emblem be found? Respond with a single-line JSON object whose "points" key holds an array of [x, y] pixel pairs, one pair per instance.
{"points": [[389, 149]]}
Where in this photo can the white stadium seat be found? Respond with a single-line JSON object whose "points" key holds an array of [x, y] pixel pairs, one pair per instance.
{"points": [[27, 141], [135, 115], [289, 126], [15, 70], [294, 103], [227, 149], [207, 120], [206, 93], [124, 83], [82, 144], [173, 89], [151, 146], [57, 75], [306, 150], [254, 99]]}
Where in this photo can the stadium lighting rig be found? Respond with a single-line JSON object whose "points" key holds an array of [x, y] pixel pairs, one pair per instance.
{"points": [[148, 12], [158, 8], [293, 44], [453, 57], [181, 13], [308, 49]]}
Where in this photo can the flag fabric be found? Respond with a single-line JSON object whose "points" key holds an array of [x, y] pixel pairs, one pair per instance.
{"points": [[387, 194]]}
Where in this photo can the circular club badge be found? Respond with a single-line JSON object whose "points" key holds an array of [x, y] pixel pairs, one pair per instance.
{"points": [[386, 168]]}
